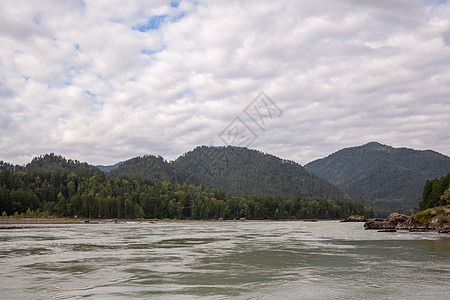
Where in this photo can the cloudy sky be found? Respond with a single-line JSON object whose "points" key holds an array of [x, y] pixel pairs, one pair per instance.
{"points": [[103, 81]]}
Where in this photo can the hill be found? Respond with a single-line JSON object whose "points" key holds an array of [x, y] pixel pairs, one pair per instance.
{"points": [[108, 169], [243, 171], [381, 175], [149, 167], [235, 170], [53, 162]]}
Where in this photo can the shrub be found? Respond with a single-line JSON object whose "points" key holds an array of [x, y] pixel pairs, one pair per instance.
{"points": [[424, 217]]}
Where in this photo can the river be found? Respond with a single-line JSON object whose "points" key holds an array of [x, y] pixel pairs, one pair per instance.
{"points": [[222, 260]]}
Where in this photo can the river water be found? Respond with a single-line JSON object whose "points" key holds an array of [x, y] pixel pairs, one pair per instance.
{"points": [[222, 260]]}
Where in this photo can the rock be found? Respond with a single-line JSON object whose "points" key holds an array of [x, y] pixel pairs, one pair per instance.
{"points": [[387, 230], [413, 224], [444, 229], [355, 219], [436, 218], [379, 224], [397, 218]]}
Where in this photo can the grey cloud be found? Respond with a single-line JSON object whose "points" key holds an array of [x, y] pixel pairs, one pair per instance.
{"points": [[344, 73]]}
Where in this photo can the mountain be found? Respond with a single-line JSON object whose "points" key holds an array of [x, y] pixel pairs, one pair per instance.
{"points": [[235, 170], [108, 169], [53, 162], [150, 167], [381, 175], [242, 171]]}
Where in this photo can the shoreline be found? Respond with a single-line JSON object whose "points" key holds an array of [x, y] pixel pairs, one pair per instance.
{"points": [[7, 223]]}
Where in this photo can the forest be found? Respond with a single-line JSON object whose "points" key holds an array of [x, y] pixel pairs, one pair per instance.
{"points": [[89, 193], [436, 192]]}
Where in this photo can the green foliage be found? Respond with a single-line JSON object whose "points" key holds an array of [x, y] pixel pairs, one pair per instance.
{"points": [[8, 166], [108, 169], [93, 195], [436, 192], [234, 170], [242, 171], [53, 162], [380, 175], [424, 216]]}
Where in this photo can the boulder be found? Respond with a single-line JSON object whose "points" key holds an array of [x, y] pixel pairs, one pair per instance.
{"points": [[444, 229], [397, 218], [412, 224], [379, 224]]}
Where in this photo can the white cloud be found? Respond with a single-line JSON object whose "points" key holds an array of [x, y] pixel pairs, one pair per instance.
{"points": [[104, 81]]}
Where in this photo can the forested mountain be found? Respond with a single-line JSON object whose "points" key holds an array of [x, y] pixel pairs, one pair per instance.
{"points": [[382, 176], [149, 167], [242, 171], [53, 162], [43, 193], [108, 169], [235, 170]]}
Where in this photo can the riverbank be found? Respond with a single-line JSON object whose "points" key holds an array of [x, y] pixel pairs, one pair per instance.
{"points": [[432, 219], [26, 223]]}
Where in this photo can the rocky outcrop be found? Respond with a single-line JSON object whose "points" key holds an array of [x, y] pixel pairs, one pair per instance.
{"points": [[412, 224], [437, 219], [390, 222], [397, 218], [355, 219], [379, 224]]}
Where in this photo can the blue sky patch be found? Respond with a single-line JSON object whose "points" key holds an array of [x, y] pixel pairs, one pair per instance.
{"points": [[155, 22], [150, 51], [187, 91], [90, 94], [434, 2], [174, 4], [37, 20]]}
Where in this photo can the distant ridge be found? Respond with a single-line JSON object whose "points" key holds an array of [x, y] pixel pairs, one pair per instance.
{"points": [[374, 174], [235, 170], [381, 175], [108, 169], [149, 167], [53, 162]]}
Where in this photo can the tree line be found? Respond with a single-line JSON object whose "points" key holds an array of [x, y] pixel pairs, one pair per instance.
{"points": [[436, 192], [89, 194]]}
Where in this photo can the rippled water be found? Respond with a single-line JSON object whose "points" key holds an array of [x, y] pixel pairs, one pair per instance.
{"points": [[222, 260]]}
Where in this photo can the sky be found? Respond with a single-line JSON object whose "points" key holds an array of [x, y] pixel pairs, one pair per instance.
{"points": [[104, 81]]}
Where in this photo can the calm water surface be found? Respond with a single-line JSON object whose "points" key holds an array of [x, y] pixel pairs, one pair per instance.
{"points": [[239, 260]]}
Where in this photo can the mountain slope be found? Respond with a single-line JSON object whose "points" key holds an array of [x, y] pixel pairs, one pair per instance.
{"points": [[108, 169], [381, 175], [53, 162], [243, 171], [149, 167]]}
